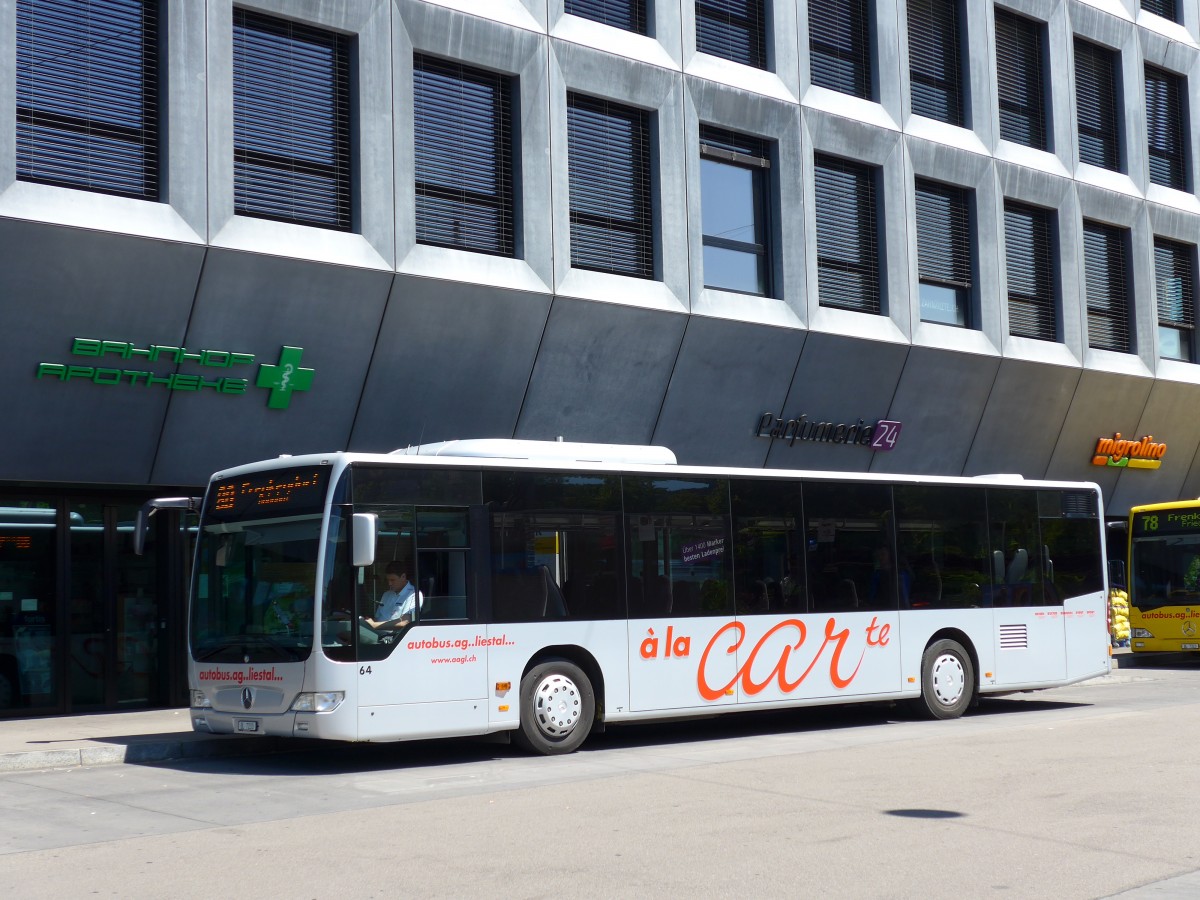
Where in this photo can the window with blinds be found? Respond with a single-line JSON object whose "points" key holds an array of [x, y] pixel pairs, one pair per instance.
{"points": [[935, 59], [840, 46], [847, 235], [1165, 128], [1105, 277], [1096, 102], [734, 171], [608, 148], [1168, 9], [291, 122], [463, 147], [733, 29], [628, 15], [1019, 80], [1174, 284], [1029, 252], [943, 253], [87, 95]]}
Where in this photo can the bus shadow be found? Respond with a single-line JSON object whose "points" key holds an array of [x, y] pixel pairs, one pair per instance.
{"points": [[308, 758], [1186, 661]]}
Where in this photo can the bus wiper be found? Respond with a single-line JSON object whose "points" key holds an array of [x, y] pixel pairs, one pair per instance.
{"points": [[266, 639], [213, 651]]}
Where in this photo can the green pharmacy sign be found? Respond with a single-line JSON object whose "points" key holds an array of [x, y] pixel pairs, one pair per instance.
{"points": [[280, 379]]}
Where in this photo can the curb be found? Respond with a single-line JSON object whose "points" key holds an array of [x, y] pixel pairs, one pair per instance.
{"points": [[139, 752]]}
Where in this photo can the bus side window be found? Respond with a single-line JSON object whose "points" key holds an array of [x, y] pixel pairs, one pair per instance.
{"points": [[1016, 547], [555, 550], [679, 546], [1070, 523], [850, 540], [768, 550]]}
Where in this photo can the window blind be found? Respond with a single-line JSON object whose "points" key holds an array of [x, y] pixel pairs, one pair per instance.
{"points": [[935, 67], [943, 235], [1168, 9], [1096, 102], [628, 15], [733, 29], [1107, 287], [1030, 267], [1164, 128], [87, 95], [1019, 80], [608, 148], [847, 238], [291, 122], [1174, 283], [840, 46], [463, 147]]}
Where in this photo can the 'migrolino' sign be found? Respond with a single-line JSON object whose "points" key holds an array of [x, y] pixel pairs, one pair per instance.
{"points": [[1118, 453], [281, 379]]}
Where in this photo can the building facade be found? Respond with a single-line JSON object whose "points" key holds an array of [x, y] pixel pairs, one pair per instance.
{"points": [[951, 237]]}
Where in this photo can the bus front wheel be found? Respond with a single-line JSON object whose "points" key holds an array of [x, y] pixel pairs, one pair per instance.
{"points": [[947, 681], [557, 708]]}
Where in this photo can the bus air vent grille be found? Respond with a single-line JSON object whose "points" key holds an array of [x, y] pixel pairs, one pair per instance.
{"points": [[1014, 637], [1079, 503]]}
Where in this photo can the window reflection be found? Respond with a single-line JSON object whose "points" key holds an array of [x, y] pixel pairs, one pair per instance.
{"points": [[733, 173]]}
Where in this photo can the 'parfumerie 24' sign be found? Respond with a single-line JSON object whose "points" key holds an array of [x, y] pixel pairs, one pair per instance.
{"points": [[115, 364], [881, 436]]}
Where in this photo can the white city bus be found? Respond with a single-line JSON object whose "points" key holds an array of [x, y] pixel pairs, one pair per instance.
{"points": [[558, 588]]}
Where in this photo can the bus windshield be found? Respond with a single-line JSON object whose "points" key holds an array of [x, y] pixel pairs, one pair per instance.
{"points": [[254, 591], [1167, 571]]}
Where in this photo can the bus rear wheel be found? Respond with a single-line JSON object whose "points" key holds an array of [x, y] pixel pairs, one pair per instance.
{"points": [[557, 708], [947, 681]]}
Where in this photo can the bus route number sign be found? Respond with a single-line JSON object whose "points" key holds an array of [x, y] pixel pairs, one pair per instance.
{"points": [[1167, 521]]}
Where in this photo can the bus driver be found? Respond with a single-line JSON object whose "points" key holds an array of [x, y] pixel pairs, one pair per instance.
{"points": [[399, 601]]}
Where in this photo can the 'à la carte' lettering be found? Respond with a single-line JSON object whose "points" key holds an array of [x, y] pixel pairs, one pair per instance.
{"points": [[678, 645], [674, 646], [876, 636]]}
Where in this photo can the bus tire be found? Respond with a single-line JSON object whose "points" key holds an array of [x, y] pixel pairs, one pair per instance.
{"points": [[947, 681], [557, 708]]}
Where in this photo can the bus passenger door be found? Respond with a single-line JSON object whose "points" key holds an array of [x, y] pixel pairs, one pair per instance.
{"points": [[435, 666], [1030, 639]]}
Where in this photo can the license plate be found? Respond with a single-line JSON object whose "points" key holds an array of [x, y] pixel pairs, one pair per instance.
{"points": [[1191, 646], [247, 725]]}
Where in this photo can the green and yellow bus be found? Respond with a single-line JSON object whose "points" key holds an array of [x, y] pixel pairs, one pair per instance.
{"points": [[1164, 576]]}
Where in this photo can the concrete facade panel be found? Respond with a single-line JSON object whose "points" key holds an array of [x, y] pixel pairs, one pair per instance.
{"points": [[1168, 418], [838, 380], [1019, 427], [1101, 404], [57, 285], [728, 374], [601, 373], [452, 361], [255, 304], [939, 400]]}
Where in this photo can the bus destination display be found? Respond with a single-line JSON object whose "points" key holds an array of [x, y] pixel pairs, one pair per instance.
{"points": [[282, 492], [1167, 521]]}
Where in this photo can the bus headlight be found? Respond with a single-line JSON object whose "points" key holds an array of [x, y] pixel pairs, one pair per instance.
{"points": [[318, 701], [200, 701], [1141, 633]]}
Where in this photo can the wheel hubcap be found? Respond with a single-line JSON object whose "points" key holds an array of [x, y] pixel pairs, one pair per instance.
{"points": [[557, 705], [949, 679]]}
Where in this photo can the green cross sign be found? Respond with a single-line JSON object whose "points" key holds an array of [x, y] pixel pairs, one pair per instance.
{"points": [[285, 377]]}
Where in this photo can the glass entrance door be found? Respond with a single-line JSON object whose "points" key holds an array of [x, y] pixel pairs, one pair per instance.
{"points": [[116, 633]]}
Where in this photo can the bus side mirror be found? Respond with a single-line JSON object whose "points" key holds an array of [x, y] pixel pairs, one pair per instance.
{"points": [[141, 525], [362, 539]]}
